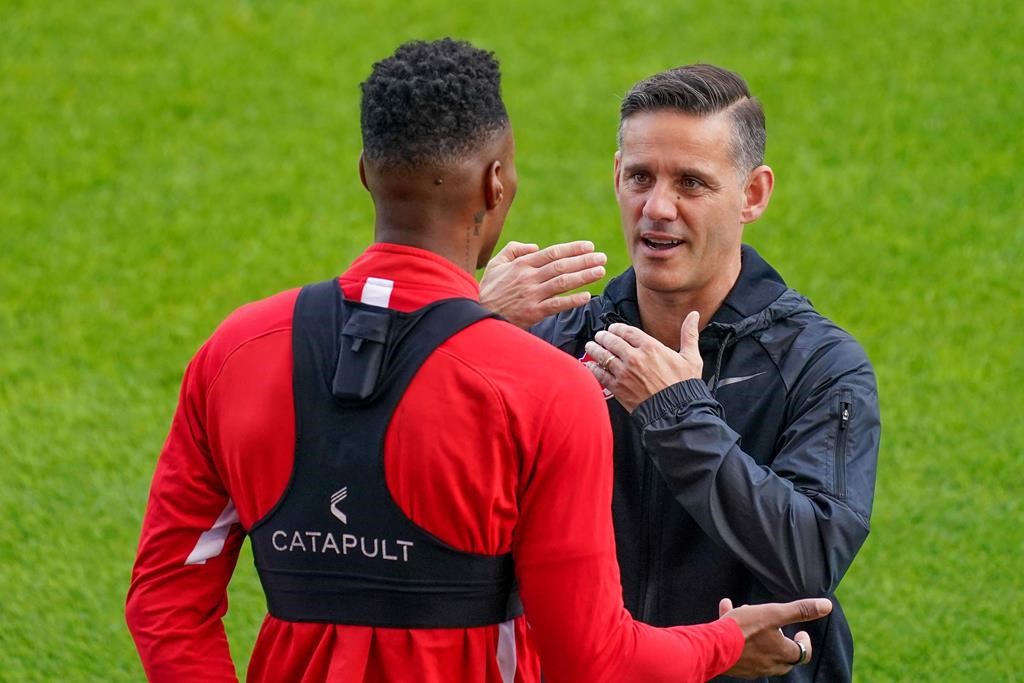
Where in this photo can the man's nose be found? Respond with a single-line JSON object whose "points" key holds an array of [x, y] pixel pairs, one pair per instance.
{"points": [[660, 204]]}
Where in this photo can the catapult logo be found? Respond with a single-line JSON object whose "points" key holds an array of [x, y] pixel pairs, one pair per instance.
{"points": [[327, 542], [336, 498]]}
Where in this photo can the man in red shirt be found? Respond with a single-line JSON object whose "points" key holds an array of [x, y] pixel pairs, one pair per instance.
{"points": [[397, 469]]}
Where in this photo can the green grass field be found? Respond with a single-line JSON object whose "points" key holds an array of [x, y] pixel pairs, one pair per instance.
{"points": [[163, 163]]}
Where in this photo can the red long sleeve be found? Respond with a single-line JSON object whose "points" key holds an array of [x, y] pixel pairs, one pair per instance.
{"points": [[501, 443]]}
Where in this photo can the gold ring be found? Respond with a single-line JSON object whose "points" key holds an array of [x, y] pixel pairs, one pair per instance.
{"points": [[606, 362]]}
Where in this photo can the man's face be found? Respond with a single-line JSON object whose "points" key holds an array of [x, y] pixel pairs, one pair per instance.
{"points": [[681, 198]]}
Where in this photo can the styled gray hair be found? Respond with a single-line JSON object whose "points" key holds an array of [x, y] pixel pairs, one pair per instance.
{"points": [[704, 90]]}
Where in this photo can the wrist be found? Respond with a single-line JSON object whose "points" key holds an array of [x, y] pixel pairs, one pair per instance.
{"points": [[671, 400]]}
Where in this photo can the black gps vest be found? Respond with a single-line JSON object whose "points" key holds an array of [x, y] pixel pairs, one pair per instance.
{"points": [[337, 548]]}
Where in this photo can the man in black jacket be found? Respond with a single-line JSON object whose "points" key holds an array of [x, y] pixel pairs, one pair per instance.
{"points": [[746, 424]]}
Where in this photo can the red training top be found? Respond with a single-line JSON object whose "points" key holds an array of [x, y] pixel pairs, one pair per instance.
{"points": [[500, 443]]}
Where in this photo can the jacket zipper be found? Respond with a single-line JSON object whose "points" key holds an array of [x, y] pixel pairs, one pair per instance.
{"points": [[842, 436]]}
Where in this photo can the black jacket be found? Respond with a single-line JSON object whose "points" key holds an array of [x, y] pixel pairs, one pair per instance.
{"points": [[755, 484]]}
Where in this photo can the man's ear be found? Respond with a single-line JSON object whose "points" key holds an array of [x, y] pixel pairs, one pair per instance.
{"points": [[757, 193], [494, 190], [618, 165], [362, 172]]}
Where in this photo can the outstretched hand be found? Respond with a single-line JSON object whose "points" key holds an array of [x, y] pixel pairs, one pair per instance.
{"points": [[767, 651], [634, 366], [526, 284]]}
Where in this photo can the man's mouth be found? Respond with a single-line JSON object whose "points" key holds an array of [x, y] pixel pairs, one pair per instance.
{"points": [[661, 244]]}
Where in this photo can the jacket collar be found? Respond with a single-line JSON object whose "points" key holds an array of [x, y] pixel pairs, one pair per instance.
{"points": [[758, 298], [756, 288]]}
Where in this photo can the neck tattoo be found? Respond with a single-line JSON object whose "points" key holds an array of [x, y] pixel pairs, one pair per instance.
{"points": [[478, 218]]}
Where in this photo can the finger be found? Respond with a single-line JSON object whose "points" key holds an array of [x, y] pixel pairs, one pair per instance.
{"points": [[804, 638], [689, 334], [797, 611], [634, 335], [512, 251], [600, 355], [600, 374], [553, 285], [571, 264], [796, 653], [614, 343], [724, 605], [569, 273], [558, 251], [557, 304]]}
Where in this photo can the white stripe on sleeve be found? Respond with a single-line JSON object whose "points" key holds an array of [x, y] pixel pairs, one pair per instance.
{"points": [[211, 541], [507, 650]]}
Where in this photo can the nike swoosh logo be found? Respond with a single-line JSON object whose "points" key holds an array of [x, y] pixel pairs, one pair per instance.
{"points": [[736, 380]]}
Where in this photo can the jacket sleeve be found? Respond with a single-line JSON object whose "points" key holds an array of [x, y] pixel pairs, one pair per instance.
{"points": [[187, 552], [564, 550], [798, 524]]}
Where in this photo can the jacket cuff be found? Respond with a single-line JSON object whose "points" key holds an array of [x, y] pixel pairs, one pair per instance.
{"points": [[669, 400]]}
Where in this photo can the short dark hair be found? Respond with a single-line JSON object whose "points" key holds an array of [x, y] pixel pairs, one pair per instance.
{"points": [[430, 103], [704, 90]]}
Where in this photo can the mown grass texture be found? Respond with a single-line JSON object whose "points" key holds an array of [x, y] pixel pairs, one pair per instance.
{"points": [[162, 163]]}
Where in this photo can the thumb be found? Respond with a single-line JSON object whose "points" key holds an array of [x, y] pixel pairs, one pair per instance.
{"points": [[724, 605], [688, 335]]}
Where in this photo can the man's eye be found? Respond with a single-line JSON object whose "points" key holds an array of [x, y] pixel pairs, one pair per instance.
{"points": [[692, 183]]}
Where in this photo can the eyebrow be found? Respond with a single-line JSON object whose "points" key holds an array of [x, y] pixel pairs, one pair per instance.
{"points": [[685, 172]]}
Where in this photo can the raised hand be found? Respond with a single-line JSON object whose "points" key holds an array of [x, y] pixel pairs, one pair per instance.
{"points": [[634, 366], [525, 284]]}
